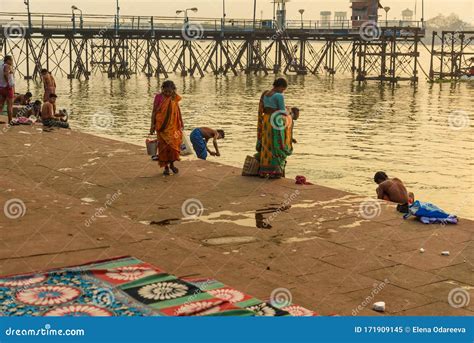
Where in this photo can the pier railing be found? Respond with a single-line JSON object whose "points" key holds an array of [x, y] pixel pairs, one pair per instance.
{"points": [[62, 21]]}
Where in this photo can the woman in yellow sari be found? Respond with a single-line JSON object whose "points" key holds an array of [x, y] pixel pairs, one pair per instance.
{"points": [[275, 132], [168, 124]]}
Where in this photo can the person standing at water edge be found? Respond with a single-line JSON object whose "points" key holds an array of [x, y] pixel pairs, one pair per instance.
{"points": [[274, 132], [168, 124], [49, 84], [201, 136], [7, 86]]}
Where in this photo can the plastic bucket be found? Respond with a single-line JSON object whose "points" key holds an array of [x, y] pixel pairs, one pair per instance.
{"points": [[152, 147]]}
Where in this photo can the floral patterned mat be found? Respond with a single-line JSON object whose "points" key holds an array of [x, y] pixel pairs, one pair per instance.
{"points": [[127, 286]]}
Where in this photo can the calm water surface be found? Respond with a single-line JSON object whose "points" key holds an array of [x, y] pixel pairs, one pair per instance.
{"points": [[345, 133]]}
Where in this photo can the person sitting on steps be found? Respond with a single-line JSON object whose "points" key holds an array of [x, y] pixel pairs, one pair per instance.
{"points": [[50, 117]]}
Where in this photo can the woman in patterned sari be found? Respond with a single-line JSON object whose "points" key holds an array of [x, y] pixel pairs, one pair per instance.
{"points": [[275, 132], [168, 124]]}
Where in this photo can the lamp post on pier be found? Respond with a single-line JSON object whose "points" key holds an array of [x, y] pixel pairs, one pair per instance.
{"points": [[422, 13], [73, 19], [386, 9], [301, 12], [27, 3], [186, 18], [223, 12], [254, 14], [223, 18], [117, 17], [81, 22]]}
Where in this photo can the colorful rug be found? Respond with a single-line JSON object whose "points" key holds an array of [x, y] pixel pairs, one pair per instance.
{"points": [[127, 286]]}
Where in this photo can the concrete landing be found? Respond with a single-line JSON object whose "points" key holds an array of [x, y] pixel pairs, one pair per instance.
{"points": [[88, 198]]}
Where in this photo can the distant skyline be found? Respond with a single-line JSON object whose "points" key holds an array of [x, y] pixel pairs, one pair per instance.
{"points": [[237, 8]]}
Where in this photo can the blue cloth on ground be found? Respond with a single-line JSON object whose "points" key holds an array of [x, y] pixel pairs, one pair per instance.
{"points": [[428, 213], [199, 144], [449, 220]]}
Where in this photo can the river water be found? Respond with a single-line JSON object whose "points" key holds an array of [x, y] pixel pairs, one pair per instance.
{"points": [[346, 132]]}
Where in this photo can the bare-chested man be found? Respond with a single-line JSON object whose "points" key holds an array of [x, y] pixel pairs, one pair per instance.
{"points": [[201, 136], [50, 117], [23, 99], [22, 103], [49, 84], [393, 190]]}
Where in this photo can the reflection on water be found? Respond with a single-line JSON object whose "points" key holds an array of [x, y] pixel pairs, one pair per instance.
{"points": [[345, 134]]}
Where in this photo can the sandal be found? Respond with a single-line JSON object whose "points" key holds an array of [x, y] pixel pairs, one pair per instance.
{"points": [[175, 170], [166, 172]]}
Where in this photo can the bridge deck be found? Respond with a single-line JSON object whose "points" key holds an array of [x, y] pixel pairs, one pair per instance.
{"points": [[316, 35], [204, 28]]}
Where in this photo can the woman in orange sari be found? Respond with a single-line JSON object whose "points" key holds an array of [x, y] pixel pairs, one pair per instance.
{"points": [[168, 124]]}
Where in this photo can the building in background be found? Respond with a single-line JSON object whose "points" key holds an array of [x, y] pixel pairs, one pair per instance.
{"points": [[364, 11], [325, 18], [279, 13], [407, 15], [340, 19]]}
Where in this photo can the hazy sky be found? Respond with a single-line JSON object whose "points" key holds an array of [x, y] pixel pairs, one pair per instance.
{"points": [[235, 8]]}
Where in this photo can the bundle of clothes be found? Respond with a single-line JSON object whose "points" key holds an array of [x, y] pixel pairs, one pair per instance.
{"points": [[428, 213], [24, 120]]}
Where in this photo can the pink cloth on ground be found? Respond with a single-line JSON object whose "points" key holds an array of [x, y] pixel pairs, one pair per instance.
{"points": [[301, 180]]}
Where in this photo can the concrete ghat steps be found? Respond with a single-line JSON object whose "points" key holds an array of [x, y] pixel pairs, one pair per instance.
{"points": [[90, 198]]}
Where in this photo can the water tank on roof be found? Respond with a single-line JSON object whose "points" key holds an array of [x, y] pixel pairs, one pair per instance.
{"points": [[325, 18]]}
